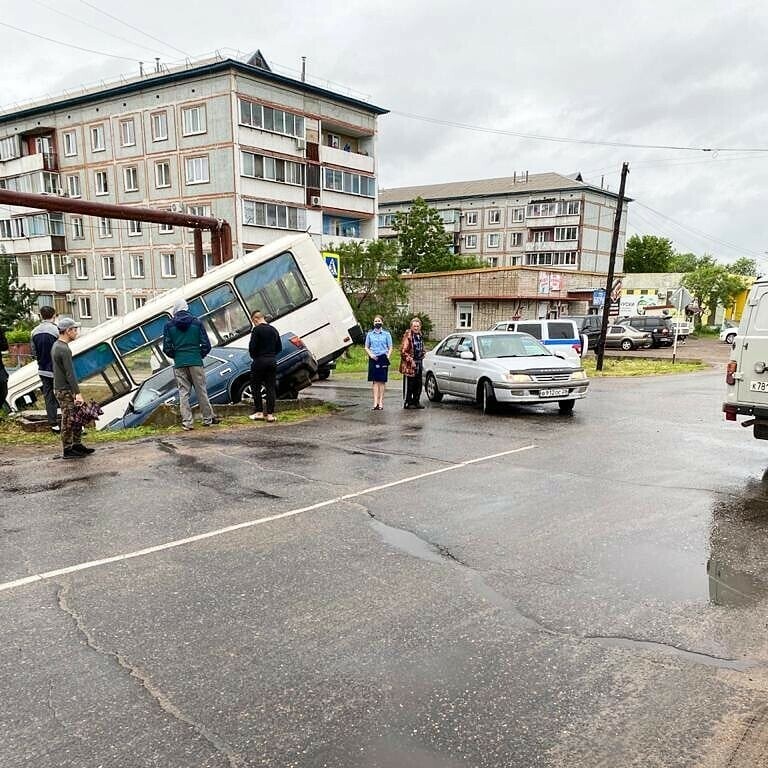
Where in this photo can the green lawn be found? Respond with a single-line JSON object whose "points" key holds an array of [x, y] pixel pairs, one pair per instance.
{"points": [[639, 366]]}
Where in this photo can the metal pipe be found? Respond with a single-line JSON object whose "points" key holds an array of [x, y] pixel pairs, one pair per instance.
{"points": [[216, 247], [197, 235], [226, 242]]}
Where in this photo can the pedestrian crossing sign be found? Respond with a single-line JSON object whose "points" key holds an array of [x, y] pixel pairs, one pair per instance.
{"points": [[333, 263]]}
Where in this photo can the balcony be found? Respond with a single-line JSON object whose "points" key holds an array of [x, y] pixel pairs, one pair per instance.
{"points": [[547, 222], [352, 160], [551, 245], [41, 161], [21, 246], [47, 283]]}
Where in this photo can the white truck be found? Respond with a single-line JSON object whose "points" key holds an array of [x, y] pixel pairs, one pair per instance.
{"points": [[746, 374]]}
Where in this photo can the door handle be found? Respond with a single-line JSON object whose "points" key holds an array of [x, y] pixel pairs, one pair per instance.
{"points": [[169, 401], [224, 371]]}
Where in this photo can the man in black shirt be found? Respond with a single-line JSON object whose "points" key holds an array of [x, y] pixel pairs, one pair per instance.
{"points": [[264, 347]]}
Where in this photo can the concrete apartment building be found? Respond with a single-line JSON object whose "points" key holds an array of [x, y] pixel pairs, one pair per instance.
{"points": [[224, 137], [527, 220]]}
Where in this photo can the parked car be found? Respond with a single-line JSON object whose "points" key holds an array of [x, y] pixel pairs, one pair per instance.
{"points": [[227, 377], [683, 328], [501, 367], [626, 337], [659, 326], [729, 332], [588, 325], [561, 336]]}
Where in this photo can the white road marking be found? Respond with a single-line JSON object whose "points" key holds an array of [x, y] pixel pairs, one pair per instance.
{"points": [[8, 585]]}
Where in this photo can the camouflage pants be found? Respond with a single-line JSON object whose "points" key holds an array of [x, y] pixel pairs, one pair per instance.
{"points": [[70, 434]]}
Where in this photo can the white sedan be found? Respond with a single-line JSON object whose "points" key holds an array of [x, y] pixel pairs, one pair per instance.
{"points": [[500, 367], [728, 333]]}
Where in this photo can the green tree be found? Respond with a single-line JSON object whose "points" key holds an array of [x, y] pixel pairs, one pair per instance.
{"points": [[648, 253], [683, 262], [743, 266], [16, 301], [711, 284], [371, 281], [425, 246]]}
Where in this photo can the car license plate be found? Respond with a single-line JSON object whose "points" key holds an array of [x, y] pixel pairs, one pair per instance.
{"points": [[553, 392], [758, 386]]}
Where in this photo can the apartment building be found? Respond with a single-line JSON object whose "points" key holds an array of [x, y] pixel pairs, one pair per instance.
{"points": [[227, 138], [526, 220]]}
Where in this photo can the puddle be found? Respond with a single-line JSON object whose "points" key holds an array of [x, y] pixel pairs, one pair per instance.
{"points": [[407, 542], [731, 587]]}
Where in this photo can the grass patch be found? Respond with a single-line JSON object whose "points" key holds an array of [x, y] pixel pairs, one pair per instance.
{"points": [[12, 434], [640, 366]]}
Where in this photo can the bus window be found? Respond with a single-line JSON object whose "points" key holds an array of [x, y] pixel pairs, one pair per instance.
{"points": [[276, 287], [221, 314], [99, 374], [141, 350]]}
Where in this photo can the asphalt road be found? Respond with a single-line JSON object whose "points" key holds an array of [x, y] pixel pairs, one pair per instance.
{"points": [[406, 588]]}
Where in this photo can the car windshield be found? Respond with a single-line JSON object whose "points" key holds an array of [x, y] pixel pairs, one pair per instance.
{"points": [[511, 345]]}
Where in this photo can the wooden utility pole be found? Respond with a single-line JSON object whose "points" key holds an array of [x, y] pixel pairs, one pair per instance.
{"points": [[611, 267]]}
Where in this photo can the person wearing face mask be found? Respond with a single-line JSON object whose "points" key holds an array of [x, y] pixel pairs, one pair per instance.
{"points": [[411, 357], [378, 347]]}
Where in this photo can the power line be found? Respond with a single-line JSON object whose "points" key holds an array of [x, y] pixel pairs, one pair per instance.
{"points": [[68, 45], [135, 29], [568, 140], [93, 26]]}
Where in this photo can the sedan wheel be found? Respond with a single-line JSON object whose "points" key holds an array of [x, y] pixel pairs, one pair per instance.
{"points": [[244, 394], [729, 339], [434, 395], [626, 345], [566, 406], [486, 397]]}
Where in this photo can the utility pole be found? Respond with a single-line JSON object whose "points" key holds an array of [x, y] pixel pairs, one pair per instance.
{"points": [[611, 267]]}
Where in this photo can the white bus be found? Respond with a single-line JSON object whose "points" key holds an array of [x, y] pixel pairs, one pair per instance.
{"points": [[287, 279]]}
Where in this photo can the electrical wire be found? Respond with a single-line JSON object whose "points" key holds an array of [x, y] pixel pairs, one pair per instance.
{"points": [[135, 29], [68, 45]]}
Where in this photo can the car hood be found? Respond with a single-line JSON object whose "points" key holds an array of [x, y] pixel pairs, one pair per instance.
{"points": [[525, 364]]}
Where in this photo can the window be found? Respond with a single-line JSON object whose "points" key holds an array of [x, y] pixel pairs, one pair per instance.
{"points": [[165, 229], [566, 233], [159, 126], [100, 377], [493, 240], [168, 264], [449, 347], [271, 168], [81, 268], [193, 120], [276, 287], [518, 214], [197, 169], [134, 228], [10, 147], [97, 138], [78, 232], [515, 239], [564, 259], [48, 264], [351, 183], [572, 207], [111, 305], [532, 329], [163, 174], [102, 182], [494, 216], [471, 218], [140, 348], [464, 314], [70, 144], [221, 314], [127, 133], [137, 266], [470, 241], [73, 185], [542, 236], [105, 227], [18, 228], [139, 302], [385, 219], [273, 215], [108, 267], [493, 261], [268, 119], [84, 307], [200, 209], [131, 179], [334, 141]]}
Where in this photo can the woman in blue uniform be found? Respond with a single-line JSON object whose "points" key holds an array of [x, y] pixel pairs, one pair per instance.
{"points": [[378, 346]]}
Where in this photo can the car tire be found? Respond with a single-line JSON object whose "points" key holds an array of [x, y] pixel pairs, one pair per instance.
{"points": [[486, 397], [434, 395], [242, 392], [566, 406], [627, 345], [323, 373], [729, 339]]}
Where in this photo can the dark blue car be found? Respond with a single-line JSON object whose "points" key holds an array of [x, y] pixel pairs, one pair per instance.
{"points": [[227, 376]]}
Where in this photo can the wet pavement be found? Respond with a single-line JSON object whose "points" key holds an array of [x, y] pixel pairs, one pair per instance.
{"points": [[390, 589]]}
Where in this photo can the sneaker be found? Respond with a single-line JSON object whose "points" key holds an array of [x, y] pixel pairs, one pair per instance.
{"points": [[256, 416], [80, 448], [214, 420], [71, 453], [418, 406], [187, 428], [271, 418], [56, 429]]}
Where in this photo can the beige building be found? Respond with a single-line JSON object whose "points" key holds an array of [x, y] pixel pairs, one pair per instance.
{"points": [[221, 137], [533, 220], [477, 298]]}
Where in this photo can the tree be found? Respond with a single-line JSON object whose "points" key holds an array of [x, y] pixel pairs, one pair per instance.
{"points": [[648, 253], [683, 262], [16, 301], [425, 246], [370, 280], [712, 284], [743, 266]]}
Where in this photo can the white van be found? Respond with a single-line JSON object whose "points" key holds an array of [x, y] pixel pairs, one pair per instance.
{"points": [[746, 374], [560, 336]]}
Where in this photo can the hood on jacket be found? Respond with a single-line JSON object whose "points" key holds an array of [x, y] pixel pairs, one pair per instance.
{"points": [[183, 319]]}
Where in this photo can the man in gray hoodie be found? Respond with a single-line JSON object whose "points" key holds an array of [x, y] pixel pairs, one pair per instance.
{"points": [[43, 338]]}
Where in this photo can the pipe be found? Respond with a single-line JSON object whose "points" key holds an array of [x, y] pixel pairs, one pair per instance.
{"points": [[216, 247], [197, 235], [226, 242]]}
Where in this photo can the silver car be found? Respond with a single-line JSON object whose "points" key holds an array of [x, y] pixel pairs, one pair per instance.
{"points": [[626, 337], [493, 367]]}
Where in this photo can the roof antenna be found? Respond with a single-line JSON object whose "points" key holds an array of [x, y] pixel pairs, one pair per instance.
{"points": [[303, 69]]}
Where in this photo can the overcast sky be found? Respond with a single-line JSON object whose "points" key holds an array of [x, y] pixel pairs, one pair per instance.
{"points": [[679, 72]]}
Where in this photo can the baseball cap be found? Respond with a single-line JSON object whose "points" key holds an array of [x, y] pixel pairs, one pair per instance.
{"points": [[65, 323]]}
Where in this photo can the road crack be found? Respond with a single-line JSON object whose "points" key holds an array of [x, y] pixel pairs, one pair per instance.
{"points": [[145, 682]]}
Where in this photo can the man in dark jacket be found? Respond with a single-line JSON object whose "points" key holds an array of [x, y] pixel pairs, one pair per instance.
{"points": [[186, 343], [43, 338], [265, 345], [3, 372]]}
